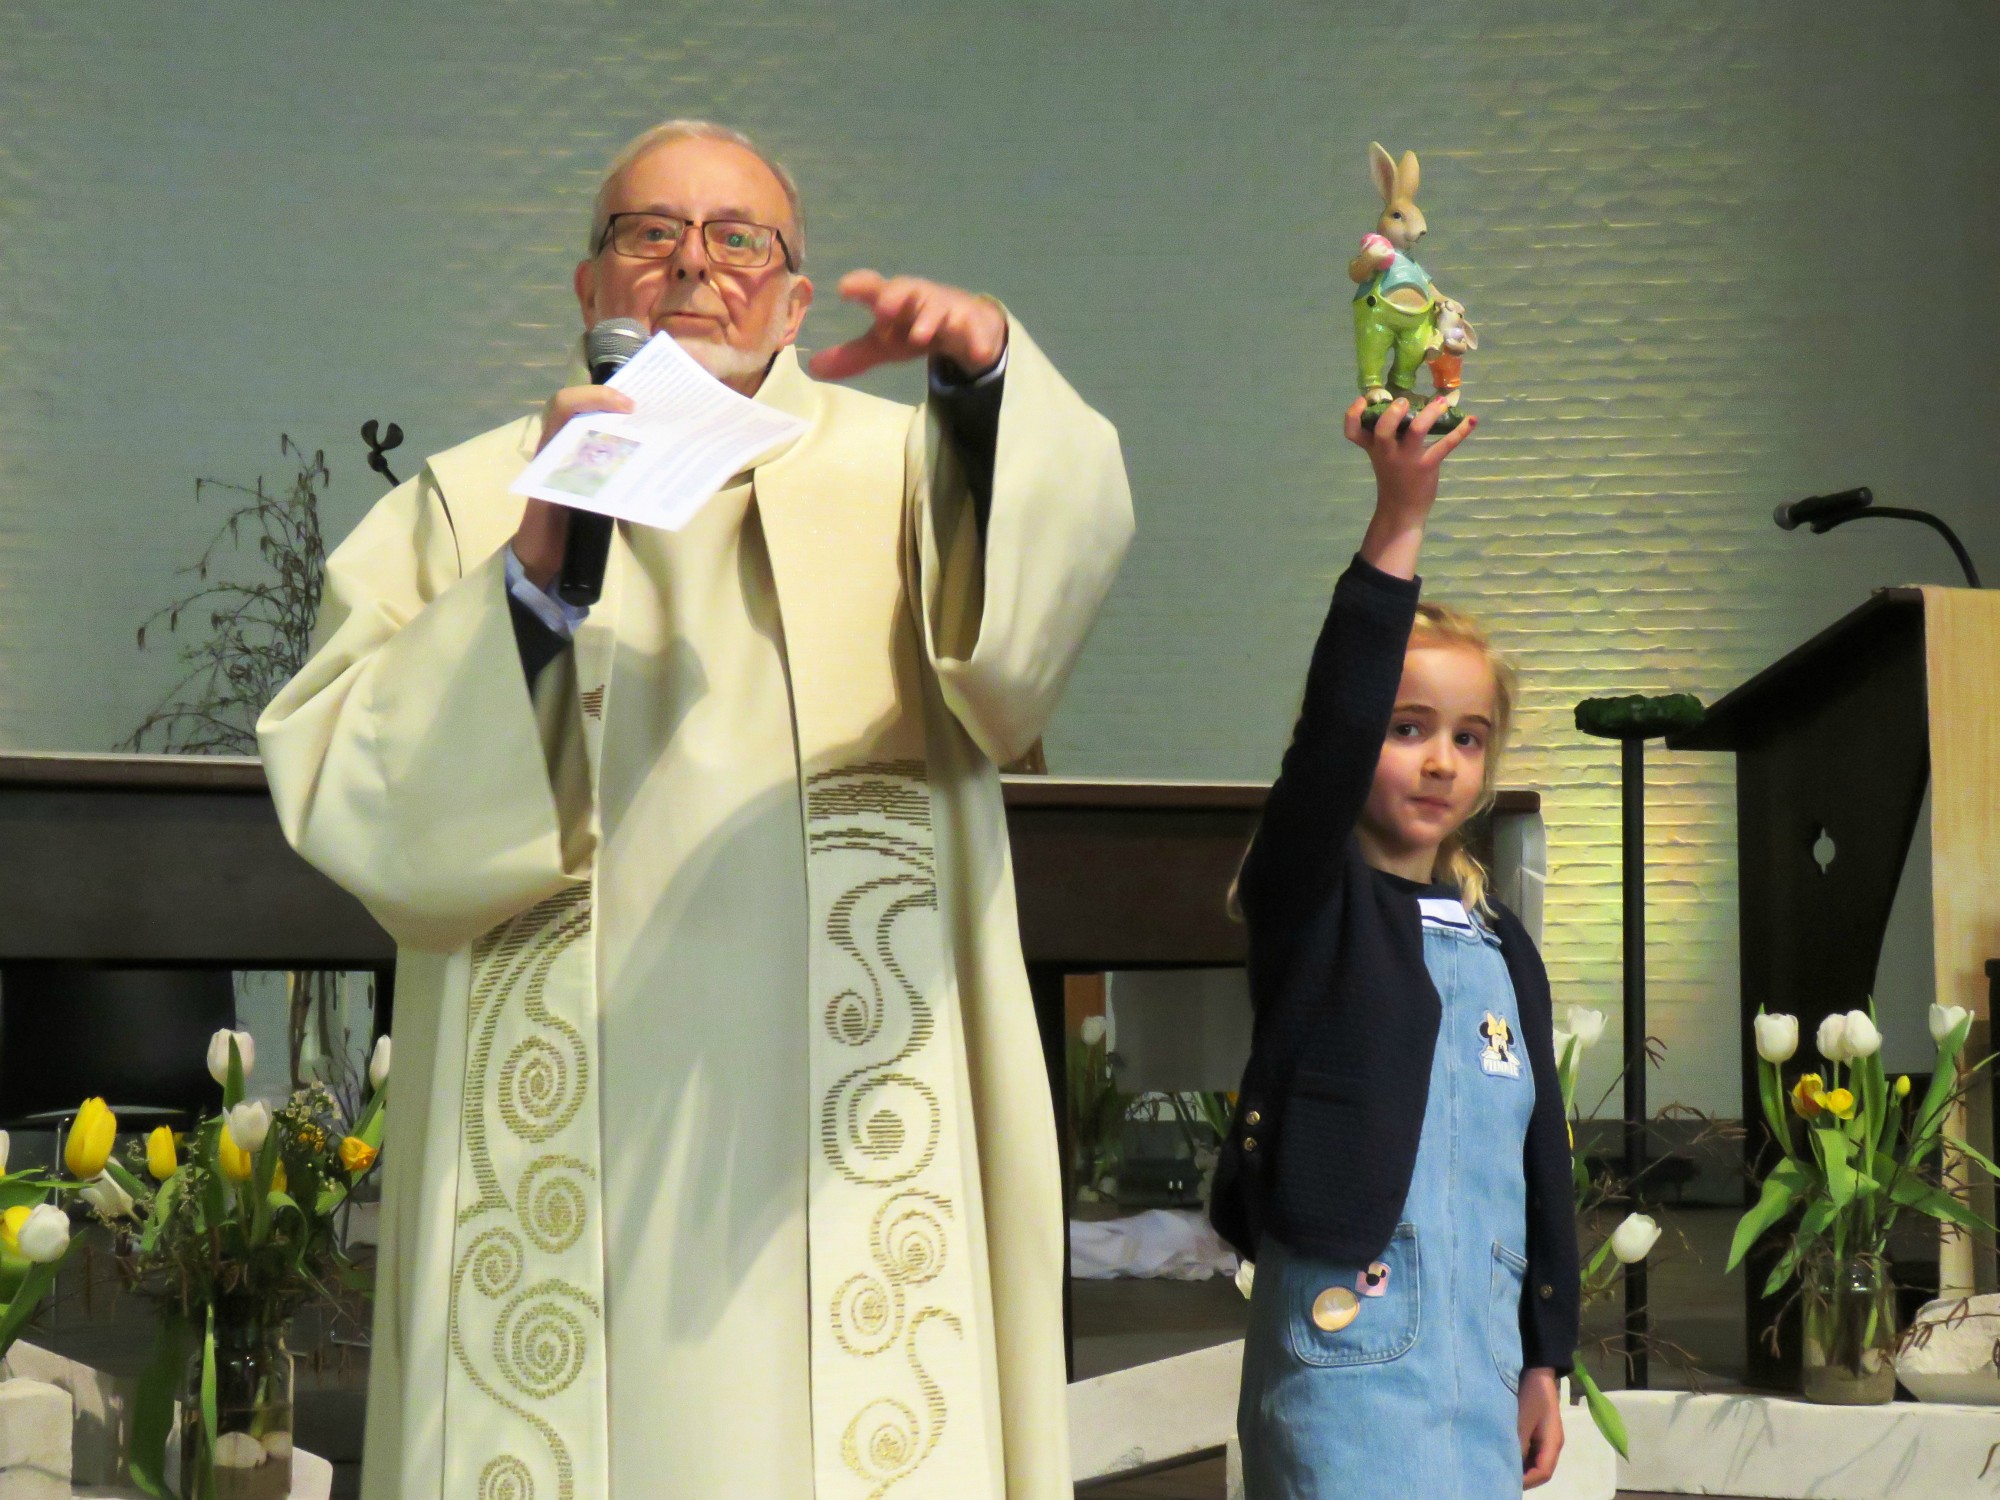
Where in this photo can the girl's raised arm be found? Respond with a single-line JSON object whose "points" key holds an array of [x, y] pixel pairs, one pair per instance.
{"points": [[1351, 685]]}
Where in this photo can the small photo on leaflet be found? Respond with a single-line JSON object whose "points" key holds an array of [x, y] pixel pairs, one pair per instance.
{"points": [[595, 464]]}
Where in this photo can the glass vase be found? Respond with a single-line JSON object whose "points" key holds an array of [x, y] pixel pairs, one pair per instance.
{"points": [[1848, 1312], [249, 1455]]}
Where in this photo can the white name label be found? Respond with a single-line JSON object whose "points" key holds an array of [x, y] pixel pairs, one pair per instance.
{"points": [[1443, 911]]}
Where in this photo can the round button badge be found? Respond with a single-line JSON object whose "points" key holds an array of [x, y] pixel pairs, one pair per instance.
{"points": [[1335, 1308]]}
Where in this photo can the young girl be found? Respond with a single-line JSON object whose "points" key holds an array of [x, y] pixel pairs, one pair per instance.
{"points": [[1399, 1165]]}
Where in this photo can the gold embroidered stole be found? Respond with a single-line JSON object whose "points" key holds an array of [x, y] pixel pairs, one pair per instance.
{"points": [[525, 1402], [899, 1402]]}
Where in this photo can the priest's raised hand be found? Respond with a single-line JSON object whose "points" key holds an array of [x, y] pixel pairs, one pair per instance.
{"points": [[916, 319]]}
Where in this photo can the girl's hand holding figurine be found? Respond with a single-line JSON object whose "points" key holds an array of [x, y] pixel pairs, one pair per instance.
{"points": [[1406, 478]]}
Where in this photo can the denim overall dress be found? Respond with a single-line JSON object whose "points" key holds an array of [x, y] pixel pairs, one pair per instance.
{"points": [[1397, 1380]]}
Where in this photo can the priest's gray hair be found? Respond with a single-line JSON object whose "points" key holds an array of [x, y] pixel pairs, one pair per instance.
{"points": [[699, 130]]}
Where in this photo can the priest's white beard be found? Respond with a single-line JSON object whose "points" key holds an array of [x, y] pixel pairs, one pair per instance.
{"points": [[726, 362]]}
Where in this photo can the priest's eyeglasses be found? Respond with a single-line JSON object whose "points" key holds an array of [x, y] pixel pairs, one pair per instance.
{"points": [[734, 243]]}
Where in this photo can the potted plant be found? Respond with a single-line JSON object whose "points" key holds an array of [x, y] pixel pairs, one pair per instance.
{"points": [[1856, 1151]]}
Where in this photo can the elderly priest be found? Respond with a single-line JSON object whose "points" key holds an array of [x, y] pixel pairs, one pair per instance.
{"points": [[721, 1162]]}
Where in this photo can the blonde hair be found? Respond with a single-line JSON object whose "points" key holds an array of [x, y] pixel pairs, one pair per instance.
{"points": [[1441, 625], [700, 130]]}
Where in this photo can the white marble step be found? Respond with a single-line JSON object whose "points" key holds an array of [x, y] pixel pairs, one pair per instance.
{"points": [[1773, 1448], [1154, 1413]]}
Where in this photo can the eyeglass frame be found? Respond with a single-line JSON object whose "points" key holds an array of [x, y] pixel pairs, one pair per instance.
{"points": [[688, 226]]}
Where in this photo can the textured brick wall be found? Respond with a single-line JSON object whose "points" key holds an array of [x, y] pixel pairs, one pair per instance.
{"points": [[1719, 255]]}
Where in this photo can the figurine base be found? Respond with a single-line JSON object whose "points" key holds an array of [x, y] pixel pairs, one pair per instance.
{"points": [[1450, 419]]}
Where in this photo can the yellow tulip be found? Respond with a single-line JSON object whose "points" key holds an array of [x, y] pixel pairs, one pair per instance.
{"points": [[90, 1139], [1839, 1103], [356, 1155], [10, 1228], [235, 1162], [1903, 1087], [1808, 1096], [278, 1182], [160, 1158]]}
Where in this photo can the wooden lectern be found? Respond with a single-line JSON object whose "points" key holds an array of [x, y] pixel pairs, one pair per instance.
{"points": [[1834, 745]]}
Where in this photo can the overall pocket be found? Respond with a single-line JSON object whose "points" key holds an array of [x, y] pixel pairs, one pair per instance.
{"points": [[1503, 1327], [1339, 1314]]}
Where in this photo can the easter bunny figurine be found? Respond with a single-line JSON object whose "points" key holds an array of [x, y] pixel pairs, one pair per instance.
{"points": [[1396, 307]]}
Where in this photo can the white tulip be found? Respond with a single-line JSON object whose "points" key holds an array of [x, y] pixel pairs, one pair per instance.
{"points": [[5, 1142], [249, 1123], [218, 1053], [238, 1450], [1562, 1040], [1777, 1037], [1832, 1039], [378, 1065], [1246, 1276], [1945, 1019], [1631, 1240], [44, 1235], [1860, 1038], [1586, 1024], [1091, 1032], [104, 1194]]}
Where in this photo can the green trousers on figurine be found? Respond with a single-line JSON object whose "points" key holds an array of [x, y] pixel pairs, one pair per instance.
{"points": [[1379, 328]]}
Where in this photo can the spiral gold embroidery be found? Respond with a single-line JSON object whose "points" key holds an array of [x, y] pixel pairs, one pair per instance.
{"points": [[540, 1334], [506, 1478], [881, 1121], [540, 1338], [552, 1203]]}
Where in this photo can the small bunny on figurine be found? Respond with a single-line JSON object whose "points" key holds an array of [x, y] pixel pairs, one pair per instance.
{"points": [[1396, 305], [1456, 339]]}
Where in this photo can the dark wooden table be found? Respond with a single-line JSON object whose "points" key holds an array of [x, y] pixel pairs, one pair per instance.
{"points": [[161, 860]]}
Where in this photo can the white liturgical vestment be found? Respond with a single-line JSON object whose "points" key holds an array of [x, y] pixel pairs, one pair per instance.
{"points": [[719, 1159]]}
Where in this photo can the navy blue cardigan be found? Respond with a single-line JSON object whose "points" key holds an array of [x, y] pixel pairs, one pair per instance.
{"points": [[1324, 1142]]}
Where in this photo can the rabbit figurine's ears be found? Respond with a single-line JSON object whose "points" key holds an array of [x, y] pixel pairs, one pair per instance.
{"points": [[1393, 181]]}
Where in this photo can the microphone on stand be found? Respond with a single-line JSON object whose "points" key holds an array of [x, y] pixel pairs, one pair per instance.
{"points": [[607, 348], [1792, 514], [1824, 512]]}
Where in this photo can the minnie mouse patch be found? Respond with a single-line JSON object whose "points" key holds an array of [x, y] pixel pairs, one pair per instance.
{"points": [[1499, 1056]]}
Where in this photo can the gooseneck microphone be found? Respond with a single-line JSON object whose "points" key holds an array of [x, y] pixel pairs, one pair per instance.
{"points": [[1792, 514], [1821, 513], [607, 348]]}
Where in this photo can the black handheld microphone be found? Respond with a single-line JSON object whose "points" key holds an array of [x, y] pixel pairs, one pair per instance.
{"points": [[1792, 514], [607, 348]]}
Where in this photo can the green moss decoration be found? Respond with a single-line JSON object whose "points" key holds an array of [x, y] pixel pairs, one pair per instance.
{"points": [[1637, 717]]}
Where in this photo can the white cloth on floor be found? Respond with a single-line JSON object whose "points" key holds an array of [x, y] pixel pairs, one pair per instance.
{"points": [[1177, 1244]]}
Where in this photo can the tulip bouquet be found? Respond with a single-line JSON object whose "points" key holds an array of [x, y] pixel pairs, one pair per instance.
{"points": [[230, 1229], [1856, 1152]]}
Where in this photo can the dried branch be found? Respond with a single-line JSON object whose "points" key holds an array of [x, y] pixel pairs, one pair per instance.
{"points": [[259, 629]]}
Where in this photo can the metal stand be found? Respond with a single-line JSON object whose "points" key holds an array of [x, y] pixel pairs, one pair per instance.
{"points": [[1632, 793]]}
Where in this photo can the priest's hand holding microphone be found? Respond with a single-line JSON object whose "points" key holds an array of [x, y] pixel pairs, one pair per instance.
{"points": [[912, 319]]}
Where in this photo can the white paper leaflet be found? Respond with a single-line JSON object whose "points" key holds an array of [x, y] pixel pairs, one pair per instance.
{"points": [[657, 465]]}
